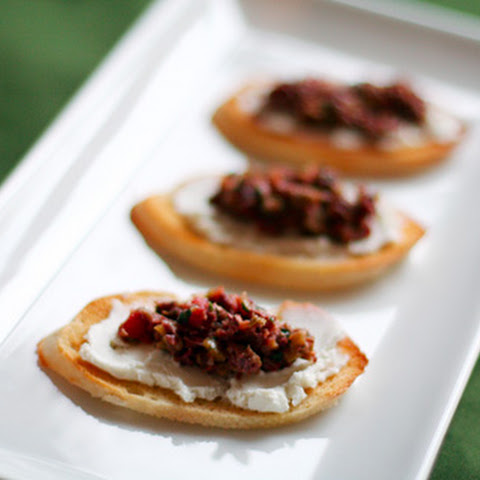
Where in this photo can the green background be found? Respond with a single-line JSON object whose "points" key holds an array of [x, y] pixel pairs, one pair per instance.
{"points": [[48, 48]]}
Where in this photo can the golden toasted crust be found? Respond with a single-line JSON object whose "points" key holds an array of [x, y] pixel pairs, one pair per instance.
{"points": [[60, 352], [247, 134], [166, 231]]}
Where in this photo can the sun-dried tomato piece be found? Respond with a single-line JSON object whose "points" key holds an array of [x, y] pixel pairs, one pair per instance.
{"points": [[138, 327]]}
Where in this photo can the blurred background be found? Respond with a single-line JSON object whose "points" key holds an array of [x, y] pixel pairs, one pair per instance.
{"points": [[49, 47], [47, 50]]}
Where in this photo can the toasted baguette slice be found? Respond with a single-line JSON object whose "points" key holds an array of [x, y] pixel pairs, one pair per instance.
{"points": [[243, 131], [166, 231], [60, 352]]}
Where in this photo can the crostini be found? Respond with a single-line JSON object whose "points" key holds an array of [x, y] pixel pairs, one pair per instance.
{"points": [[302, 230], [359, 129], [217, 360]]}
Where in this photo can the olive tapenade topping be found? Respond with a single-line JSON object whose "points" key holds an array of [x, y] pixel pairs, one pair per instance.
{"points": [[223, 334], [372, 110], [308, 203]]}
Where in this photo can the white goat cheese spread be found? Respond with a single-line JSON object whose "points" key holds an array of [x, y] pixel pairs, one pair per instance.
{"points": [[265, 392], [439, 126], [192, 202]]}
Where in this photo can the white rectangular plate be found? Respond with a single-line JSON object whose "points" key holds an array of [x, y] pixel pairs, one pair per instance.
{"points": [[140, 126]]}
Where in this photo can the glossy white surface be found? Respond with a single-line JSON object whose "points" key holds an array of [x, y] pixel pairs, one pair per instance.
{"points": [[419, 325]]}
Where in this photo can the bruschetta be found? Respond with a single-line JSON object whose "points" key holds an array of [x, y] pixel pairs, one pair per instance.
{"points": [[280, 228], [216, 360], [360, 129]]}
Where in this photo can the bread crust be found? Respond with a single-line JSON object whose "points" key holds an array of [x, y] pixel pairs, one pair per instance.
{"points": [[166, 231], [243, 131], [60, 353]]}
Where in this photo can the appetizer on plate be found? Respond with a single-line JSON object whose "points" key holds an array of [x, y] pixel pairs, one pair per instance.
{"points": [[360, 129], [216, 359], [283, 228]]}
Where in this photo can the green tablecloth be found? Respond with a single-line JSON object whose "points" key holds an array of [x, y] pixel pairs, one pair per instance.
{"points": [[48, 47], [466, 6]]}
